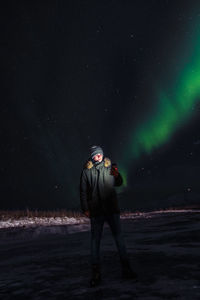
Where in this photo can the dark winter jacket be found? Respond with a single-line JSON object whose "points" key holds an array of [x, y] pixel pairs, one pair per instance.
{"points": [[97, 188]]}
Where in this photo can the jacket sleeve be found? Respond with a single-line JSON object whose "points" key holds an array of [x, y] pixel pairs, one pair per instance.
{"points": [[83, 192], [118, 180]]}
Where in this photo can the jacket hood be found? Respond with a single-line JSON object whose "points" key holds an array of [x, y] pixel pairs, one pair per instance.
{"points": [[89, 164]]}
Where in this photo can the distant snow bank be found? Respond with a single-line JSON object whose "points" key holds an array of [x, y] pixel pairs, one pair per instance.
{"points": [[157, 212], [43, 221]]}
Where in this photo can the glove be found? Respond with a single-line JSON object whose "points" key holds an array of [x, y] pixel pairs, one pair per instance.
{"points": [[114, 170], [87, 213]]}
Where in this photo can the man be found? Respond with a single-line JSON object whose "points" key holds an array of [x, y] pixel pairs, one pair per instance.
{"points": [[98, 199]]}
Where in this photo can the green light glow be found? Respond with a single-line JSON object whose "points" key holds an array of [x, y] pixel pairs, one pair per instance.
{"points": [[173, 108]]}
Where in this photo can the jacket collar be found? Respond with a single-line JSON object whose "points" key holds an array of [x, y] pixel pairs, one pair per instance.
{"points": [[99, 165], [106, 162]]}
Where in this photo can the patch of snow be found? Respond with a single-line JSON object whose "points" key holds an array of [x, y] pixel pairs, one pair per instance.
{"points": [[44, 221], [36, 221]]}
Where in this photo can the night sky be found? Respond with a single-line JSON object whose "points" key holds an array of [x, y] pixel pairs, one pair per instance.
{"points": [[124, 75]]}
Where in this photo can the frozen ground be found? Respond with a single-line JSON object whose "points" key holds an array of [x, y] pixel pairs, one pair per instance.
{"points": [[50, 259]]}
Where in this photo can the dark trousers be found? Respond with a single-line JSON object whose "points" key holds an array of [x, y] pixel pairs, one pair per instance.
{"points": [[96, 233]]}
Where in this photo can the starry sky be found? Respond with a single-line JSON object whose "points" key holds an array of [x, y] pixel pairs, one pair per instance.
{"points": [[124, 75]]}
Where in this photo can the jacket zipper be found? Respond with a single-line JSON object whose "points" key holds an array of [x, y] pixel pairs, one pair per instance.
{"points": [[100, 199]]}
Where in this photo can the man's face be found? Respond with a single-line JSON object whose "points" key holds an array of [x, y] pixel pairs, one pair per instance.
{"points": [[98, 157]]}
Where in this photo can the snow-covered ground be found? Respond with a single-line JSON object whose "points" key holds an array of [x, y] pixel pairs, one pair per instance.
{"points": [[36, 221], [49, 258], [44, 221]]}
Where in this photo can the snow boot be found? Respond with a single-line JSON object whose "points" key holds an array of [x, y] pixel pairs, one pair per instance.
{"points": [[127, 272], [96, 275]]}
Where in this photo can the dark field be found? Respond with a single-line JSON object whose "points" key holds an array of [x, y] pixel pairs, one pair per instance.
{"points": [[53, 262]]}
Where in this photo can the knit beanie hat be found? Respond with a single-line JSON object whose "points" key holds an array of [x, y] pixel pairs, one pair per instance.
{"points": [[95, 150]]}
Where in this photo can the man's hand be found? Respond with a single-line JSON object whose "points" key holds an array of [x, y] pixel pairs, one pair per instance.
{"points": [[87, 213], [114, 170]]}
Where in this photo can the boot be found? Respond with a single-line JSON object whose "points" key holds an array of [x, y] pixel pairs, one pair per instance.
{"points": [[127, 272], [96, 275]]}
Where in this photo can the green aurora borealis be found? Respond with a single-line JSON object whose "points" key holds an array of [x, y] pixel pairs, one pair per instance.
{"points": [[173, 107]]}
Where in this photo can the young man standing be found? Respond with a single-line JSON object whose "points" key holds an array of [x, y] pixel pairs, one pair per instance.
{"points": [[98, 199]]}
